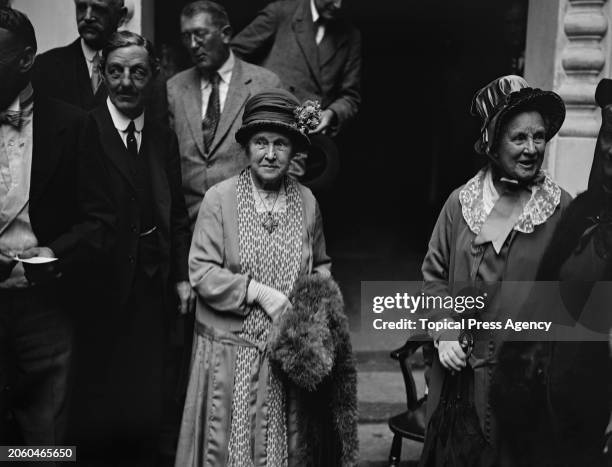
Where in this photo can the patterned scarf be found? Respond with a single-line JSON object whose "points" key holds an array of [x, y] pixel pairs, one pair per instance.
{"points": [[272, 258]]}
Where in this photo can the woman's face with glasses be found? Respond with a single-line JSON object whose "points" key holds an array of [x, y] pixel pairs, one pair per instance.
{"points": [[269, 154], [208, 44]]}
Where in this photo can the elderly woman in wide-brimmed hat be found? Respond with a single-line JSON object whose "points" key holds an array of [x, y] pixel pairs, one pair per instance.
{"points": [[492, 230], [257, 234]]}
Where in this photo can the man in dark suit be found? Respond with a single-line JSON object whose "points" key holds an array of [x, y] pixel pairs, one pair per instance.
{"points": [[71, 73], [152, 243], [315, 52], [206, 101], [55, 218]]}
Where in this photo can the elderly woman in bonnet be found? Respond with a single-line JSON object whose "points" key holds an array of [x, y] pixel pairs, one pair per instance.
{"points": [[492, 230], [255, 235]]}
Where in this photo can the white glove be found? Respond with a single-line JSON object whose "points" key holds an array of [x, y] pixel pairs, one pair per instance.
{"points": [[271, 300]]}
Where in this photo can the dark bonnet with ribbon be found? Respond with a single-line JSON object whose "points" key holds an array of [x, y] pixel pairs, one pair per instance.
{"points": [[504, 97], [272, 110]]}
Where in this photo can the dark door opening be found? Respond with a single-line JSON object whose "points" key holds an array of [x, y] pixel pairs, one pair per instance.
{"points": [[412, 143]]}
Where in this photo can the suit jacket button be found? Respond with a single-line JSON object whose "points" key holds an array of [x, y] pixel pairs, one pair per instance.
{"points": [[131, 259], [210, 163], [133, 228]]}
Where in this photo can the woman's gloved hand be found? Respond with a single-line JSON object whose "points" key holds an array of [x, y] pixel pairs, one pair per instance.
{"points": [[271, 300]]}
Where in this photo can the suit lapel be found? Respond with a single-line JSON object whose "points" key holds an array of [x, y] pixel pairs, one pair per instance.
{"points": [[81, 74], [304, 32], [45, 147], [112, 144], [237, 95], [192, 103], [100, 96], [153, 149], [333, 41]]}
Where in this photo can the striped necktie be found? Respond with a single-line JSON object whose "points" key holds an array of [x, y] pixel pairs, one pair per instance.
{"points": [[95, 73], [16, 118], [213, 112]]}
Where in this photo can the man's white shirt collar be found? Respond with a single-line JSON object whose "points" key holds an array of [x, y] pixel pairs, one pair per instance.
{"points": [[15, 106], [120, 121], [225, 72], [23, 95], [320, 32], [88, 52], [89, 55], [315, 12]]}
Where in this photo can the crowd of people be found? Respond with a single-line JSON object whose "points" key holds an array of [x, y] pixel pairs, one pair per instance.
{"points": [[126, 201]]}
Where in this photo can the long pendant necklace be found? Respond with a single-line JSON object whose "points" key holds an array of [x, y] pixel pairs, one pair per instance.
{"points": [[269, 223]]}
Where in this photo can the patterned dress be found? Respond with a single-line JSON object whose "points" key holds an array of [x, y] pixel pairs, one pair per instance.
{"points": [[272, 258]]}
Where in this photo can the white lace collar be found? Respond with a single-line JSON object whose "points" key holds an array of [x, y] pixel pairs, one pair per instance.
{"points": [[545, 197]]}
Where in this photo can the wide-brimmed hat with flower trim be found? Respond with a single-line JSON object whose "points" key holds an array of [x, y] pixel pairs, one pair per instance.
{"points": [[279, 110], [506, 96]]}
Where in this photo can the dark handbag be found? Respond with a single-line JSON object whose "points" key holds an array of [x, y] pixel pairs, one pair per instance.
{"points": [[454, 437]]}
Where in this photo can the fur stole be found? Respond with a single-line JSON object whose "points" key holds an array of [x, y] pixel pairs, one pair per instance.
{"points": [[311, 345]]}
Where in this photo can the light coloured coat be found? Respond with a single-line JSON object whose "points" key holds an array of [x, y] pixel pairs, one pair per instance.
{"points": [[214, 258], [202, 168]]}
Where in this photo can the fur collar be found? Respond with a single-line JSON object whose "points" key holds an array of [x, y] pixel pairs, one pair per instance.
{"points": [[545, 197]]}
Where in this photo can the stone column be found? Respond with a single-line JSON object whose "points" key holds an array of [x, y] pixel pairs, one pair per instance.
{"points": [[567, 51], [141, 17]]}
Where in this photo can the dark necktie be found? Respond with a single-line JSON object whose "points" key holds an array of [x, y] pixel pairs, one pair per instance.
{"points": [[213, 112], [132, 144]]}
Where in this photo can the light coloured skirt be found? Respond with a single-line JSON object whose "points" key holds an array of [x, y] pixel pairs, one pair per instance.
{"points": [[215, 391]]}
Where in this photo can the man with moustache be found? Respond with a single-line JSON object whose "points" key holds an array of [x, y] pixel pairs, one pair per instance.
{"points": [[54, 210], [71, 73], [206, 101], [149, 258], [315, 52]]}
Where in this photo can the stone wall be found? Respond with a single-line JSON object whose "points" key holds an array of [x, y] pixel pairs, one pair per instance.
{"points": [[568, 49]]}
